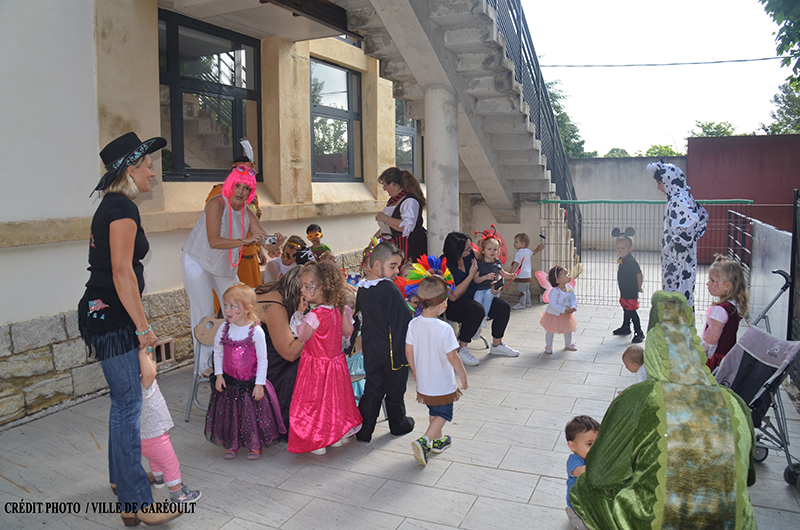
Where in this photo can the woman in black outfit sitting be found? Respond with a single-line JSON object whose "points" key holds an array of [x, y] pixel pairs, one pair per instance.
{"points": [[462, 308]]}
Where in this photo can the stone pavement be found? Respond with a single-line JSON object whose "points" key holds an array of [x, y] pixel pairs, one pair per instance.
{"points": [[506, 468]]}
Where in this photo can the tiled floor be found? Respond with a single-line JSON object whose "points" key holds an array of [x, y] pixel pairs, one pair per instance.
{"points": [[505, 469]]}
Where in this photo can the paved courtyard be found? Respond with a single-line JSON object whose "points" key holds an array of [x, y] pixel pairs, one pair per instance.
{"points": [[506, 468]]}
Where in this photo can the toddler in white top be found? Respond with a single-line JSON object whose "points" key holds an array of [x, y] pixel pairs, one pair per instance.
{"points": [[633, 359], [432, 353], [522, 267]]}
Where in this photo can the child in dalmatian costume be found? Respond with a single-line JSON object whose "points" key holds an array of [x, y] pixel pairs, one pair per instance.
{"points": [[684, 223]]}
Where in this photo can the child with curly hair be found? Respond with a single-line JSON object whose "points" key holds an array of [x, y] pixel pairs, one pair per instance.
{"points": [[323, 410]]}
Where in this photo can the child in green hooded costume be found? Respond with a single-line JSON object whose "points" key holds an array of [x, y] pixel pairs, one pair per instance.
{"points": [[676, 450]]}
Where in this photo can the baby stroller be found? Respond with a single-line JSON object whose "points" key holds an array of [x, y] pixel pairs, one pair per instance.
{"points": [[755, 368]]}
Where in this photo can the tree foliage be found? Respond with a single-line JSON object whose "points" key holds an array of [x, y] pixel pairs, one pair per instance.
{"points": [[712, 128], [661, 150], [616, 152], [787, 116], [786, 13], [570, 135]]}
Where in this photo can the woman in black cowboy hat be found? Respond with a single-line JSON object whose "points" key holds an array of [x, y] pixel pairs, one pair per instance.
{"points": [[111, 318]]}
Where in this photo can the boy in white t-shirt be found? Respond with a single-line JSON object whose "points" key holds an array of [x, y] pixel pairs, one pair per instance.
{"points": [[522, 267], [432, 354]]}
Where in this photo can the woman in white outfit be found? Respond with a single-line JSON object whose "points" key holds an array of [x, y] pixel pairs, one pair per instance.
{"points": [[212, 251]]}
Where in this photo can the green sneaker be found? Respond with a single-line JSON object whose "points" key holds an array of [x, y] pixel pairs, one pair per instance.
{"points": [[440, 444], [421, 450]]}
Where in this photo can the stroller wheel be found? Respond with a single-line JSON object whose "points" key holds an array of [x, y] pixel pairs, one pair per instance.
{"points": [[792, 475], [760, 454]]}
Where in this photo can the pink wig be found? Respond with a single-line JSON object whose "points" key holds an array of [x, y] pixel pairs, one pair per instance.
{"points": [[240, 174]]}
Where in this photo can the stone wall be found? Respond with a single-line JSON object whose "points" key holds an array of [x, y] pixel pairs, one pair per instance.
{"points": [[44, 362]]}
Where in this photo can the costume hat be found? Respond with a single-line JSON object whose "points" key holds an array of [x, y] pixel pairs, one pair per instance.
{"points": [[123, 152]]}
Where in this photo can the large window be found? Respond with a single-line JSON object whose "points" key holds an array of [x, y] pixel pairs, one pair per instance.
{"points": [[335, 123], [407, 143], [209, 97]]}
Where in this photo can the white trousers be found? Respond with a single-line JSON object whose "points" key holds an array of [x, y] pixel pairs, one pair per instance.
{"points": [[199, 285]]}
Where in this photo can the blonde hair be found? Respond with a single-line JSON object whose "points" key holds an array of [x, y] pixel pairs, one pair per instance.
{"points": [[124, 183], [728, 270], [635, 354], [485, 241], [295, 240], [246, 296]]}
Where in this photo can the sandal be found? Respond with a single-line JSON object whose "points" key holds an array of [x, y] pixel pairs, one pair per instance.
{"points": [[571, 347], [254, 455], [229, 454], [548, 349]]}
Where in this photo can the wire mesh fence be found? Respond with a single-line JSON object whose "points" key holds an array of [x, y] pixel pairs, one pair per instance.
{"points": [[727, 233]]}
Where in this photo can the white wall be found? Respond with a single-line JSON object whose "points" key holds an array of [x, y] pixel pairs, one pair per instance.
{"points": [[48, 131], [624, 179]]}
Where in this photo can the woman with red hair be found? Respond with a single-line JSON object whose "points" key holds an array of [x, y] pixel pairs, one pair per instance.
{"points": [[212, 252]]}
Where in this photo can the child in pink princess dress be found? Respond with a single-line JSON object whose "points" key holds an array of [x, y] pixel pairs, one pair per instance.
{"points": [[244, 410], [558, 317], [323, 410]]}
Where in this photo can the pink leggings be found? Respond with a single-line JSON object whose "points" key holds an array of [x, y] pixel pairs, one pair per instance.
{"points": [[161, 456]]}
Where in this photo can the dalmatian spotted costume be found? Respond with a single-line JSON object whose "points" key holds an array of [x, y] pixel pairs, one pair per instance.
{"points": [[684, 224]]}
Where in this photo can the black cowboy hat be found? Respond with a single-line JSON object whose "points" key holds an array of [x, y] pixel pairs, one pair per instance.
{"points": [[123, 152]]}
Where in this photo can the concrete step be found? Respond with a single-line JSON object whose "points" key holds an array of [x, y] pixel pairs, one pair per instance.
{"points": [[522, 141], [528, 157], [450, 13], [500, 105], [483, 63], [396, 70], [407, 91], [532, 186], [530, 172], [492, 85], [503, 124], [472, 39], [381, 46], [364, 21]]}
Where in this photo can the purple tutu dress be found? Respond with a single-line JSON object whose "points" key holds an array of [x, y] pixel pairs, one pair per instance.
{"points": [[234, 418]]}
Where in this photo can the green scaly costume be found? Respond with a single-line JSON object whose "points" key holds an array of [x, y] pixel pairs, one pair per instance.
{"points": [[675, 451]]}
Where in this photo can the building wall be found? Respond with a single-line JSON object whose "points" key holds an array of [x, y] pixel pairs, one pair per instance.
{"points": [[623, 179], [92, 75]]}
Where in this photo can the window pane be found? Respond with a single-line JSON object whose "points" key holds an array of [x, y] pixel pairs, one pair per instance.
{"points": [[248, 58], [357, 169], [400, 114], [206, 57], [330, 145], [166, 129], [162, 45], [207, 131], [250, 125], [328, 86], [404, 152]]}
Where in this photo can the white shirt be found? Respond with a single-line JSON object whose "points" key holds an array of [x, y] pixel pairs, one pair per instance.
{"points": [[524, 270], [240, 333], [409, 210], [432, 339], [561, 300], [641, 374]]}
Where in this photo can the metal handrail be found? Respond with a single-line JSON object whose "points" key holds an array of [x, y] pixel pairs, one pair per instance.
{"points": [[519, 48]]}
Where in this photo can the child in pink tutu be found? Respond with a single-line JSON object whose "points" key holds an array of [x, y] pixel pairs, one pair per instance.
{"points": [[558, 317], [244, 410], [323, 410]]}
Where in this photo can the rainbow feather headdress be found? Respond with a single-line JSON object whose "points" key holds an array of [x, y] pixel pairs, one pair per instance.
{"points": [[428, 266]]}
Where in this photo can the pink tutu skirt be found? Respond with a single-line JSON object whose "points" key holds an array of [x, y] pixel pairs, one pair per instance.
{"points": [[563, 323]]}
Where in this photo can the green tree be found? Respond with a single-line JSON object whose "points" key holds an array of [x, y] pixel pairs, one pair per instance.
{"points": [[712, 128], [570, 135], [786, 13], [616, 152], [787, 116], [661, 150]]}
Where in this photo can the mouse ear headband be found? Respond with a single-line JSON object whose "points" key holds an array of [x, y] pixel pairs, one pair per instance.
{"points": [[629, 232]]}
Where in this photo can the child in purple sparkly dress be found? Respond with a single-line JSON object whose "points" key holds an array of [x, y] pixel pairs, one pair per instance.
{"points": [[244, 410]]}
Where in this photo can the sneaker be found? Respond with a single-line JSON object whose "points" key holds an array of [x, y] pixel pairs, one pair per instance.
{"points": [[504, 350], [440, 444], [519, 306], [185, 495], [528, 304], [571, 347], [477, 335], [467, 358], [337, 443], [622, 331], [637, 337], [320, 451], [421, 450], [158, 480], [484, 322]]}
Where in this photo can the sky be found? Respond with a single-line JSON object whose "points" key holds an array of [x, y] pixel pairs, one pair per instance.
{"points": [[634, 108]]}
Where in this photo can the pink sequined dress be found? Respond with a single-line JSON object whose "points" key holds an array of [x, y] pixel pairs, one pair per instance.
{"points": [[234, 418], [323, 407]]}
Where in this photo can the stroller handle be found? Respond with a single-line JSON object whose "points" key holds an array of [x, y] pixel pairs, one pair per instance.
{"points": [[786, 278]]}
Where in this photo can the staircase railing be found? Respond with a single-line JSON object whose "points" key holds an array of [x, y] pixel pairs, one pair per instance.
{"points": [[519, 48]]}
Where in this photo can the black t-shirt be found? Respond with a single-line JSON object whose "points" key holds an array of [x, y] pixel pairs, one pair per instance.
{"points": [[626, 277], [112, 208], [459, 276]]}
